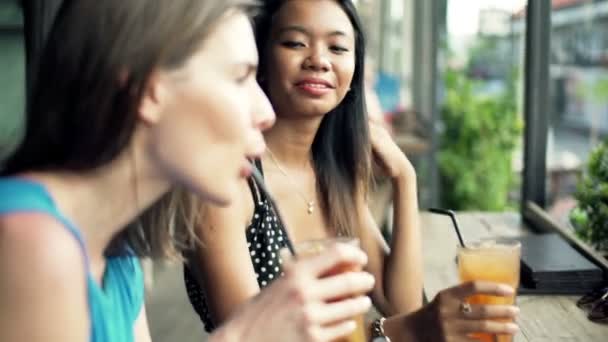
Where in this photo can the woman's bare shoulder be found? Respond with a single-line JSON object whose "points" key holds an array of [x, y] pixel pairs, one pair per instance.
{"points": [[42, 287], [41, 244]]}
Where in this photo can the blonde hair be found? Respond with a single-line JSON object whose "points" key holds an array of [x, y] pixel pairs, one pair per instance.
{"points": [[165, 230]]}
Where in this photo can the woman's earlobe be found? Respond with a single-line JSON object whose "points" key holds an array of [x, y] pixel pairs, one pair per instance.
{"points": [[150, 107]]}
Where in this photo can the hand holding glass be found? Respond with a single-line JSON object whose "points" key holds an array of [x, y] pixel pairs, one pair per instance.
{"points": [[497, 262]]}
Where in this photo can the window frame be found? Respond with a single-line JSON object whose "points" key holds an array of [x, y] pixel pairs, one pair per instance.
{"points": [[536, 106], [536, 101]]}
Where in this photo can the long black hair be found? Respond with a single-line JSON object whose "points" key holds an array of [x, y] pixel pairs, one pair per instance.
{"points": [[341, 149]]}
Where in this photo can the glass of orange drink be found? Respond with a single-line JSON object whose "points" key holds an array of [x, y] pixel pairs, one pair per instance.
{"points": [[493, 261], [314, 247]]}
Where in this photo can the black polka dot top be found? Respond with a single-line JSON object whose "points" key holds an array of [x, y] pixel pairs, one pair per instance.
{"points": [[265, 237]]}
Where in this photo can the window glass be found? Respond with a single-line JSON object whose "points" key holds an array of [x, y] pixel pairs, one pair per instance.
{"points": [[481, 105], [578, 103], [12, 69]]}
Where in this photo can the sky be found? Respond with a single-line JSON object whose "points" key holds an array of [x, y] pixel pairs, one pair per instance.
{"points": [[463, 15]]}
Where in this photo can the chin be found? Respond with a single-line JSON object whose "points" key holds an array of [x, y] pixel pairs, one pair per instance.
{"points": [[316, 108], [311, 110], [217, 199], [216, 194], [221, 196], [222, 202]]}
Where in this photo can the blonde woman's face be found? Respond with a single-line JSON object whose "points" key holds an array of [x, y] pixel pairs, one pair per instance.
{"points": [[213, 114]]}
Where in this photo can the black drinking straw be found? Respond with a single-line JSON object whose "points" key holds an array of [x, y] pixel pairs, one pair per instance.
{"points": [[260, 182], [451, 214]]}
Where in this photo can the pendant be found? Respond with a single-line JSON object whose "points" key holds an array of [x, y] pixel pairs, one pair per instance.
{"points": [[311, 207]]}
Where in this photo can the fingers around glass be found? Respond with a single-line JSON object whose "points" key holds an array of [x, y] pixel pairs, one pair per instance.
{"points": [[342, 310], [335, 331], [484, 312], [481, 287], [343, 285], [489, 327]]}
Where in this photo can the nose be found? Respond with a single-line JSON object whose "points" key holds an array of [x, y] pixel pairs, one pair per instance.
{"points": [[317, 60], [263, 114]]}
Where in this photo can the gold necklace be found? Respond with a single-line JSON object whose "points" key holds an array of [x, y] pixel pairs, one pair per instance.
{"points": [[309, 203]]}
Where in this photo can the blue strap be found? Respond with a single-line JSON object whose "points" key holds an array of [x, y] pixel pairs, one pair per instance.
{"points": [[21, 195], [113, 309]]}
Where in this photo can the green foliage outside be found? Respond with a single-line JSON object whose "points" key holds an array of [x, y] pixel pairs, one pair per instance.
{"points": [[590, 217], [596, 91], [480, 135]]}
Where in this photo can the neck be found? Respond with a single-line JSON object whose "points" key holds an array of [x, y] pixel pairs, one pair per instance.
{"points": [[290, 140], [103, 201]]}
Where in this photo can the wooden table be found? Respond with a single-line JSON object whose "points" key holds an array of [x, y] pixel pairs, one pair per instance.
{"points": [[542, 318]]}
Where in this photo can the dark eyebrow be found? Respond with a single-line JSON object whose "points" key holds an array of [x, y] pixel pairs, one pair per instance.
{"points": [[293, 28], [306, 32], [337, 33]]}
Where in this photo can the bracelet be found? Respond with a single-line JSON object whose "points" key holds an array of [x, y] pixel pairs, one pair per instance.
{"points": [[378, 330]]}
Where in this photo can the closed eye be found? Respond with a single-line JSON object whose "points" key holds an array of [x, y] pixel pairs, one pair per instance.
{"points": [[247, 73], [292, 44], [338, 49]]}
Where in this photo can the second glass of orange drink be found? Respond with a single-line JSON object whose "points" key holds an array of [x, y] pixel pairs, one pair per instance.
{"points": [[310, 248], [493, 261]]}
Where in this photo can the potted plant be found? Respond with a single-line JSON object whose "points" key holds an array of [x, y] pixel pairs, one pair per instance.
{"points": [[590, 217]]}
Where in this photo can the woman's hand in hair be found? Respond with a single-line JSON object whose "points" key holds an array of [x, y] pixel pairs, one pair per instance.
{"points": [[398, 266], [444, 319], [301, 305], [387, 154]]}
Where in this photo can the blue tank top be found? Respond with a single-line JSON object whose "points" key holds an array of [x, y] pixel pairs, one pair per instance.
{"points": [[114, 307]]}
